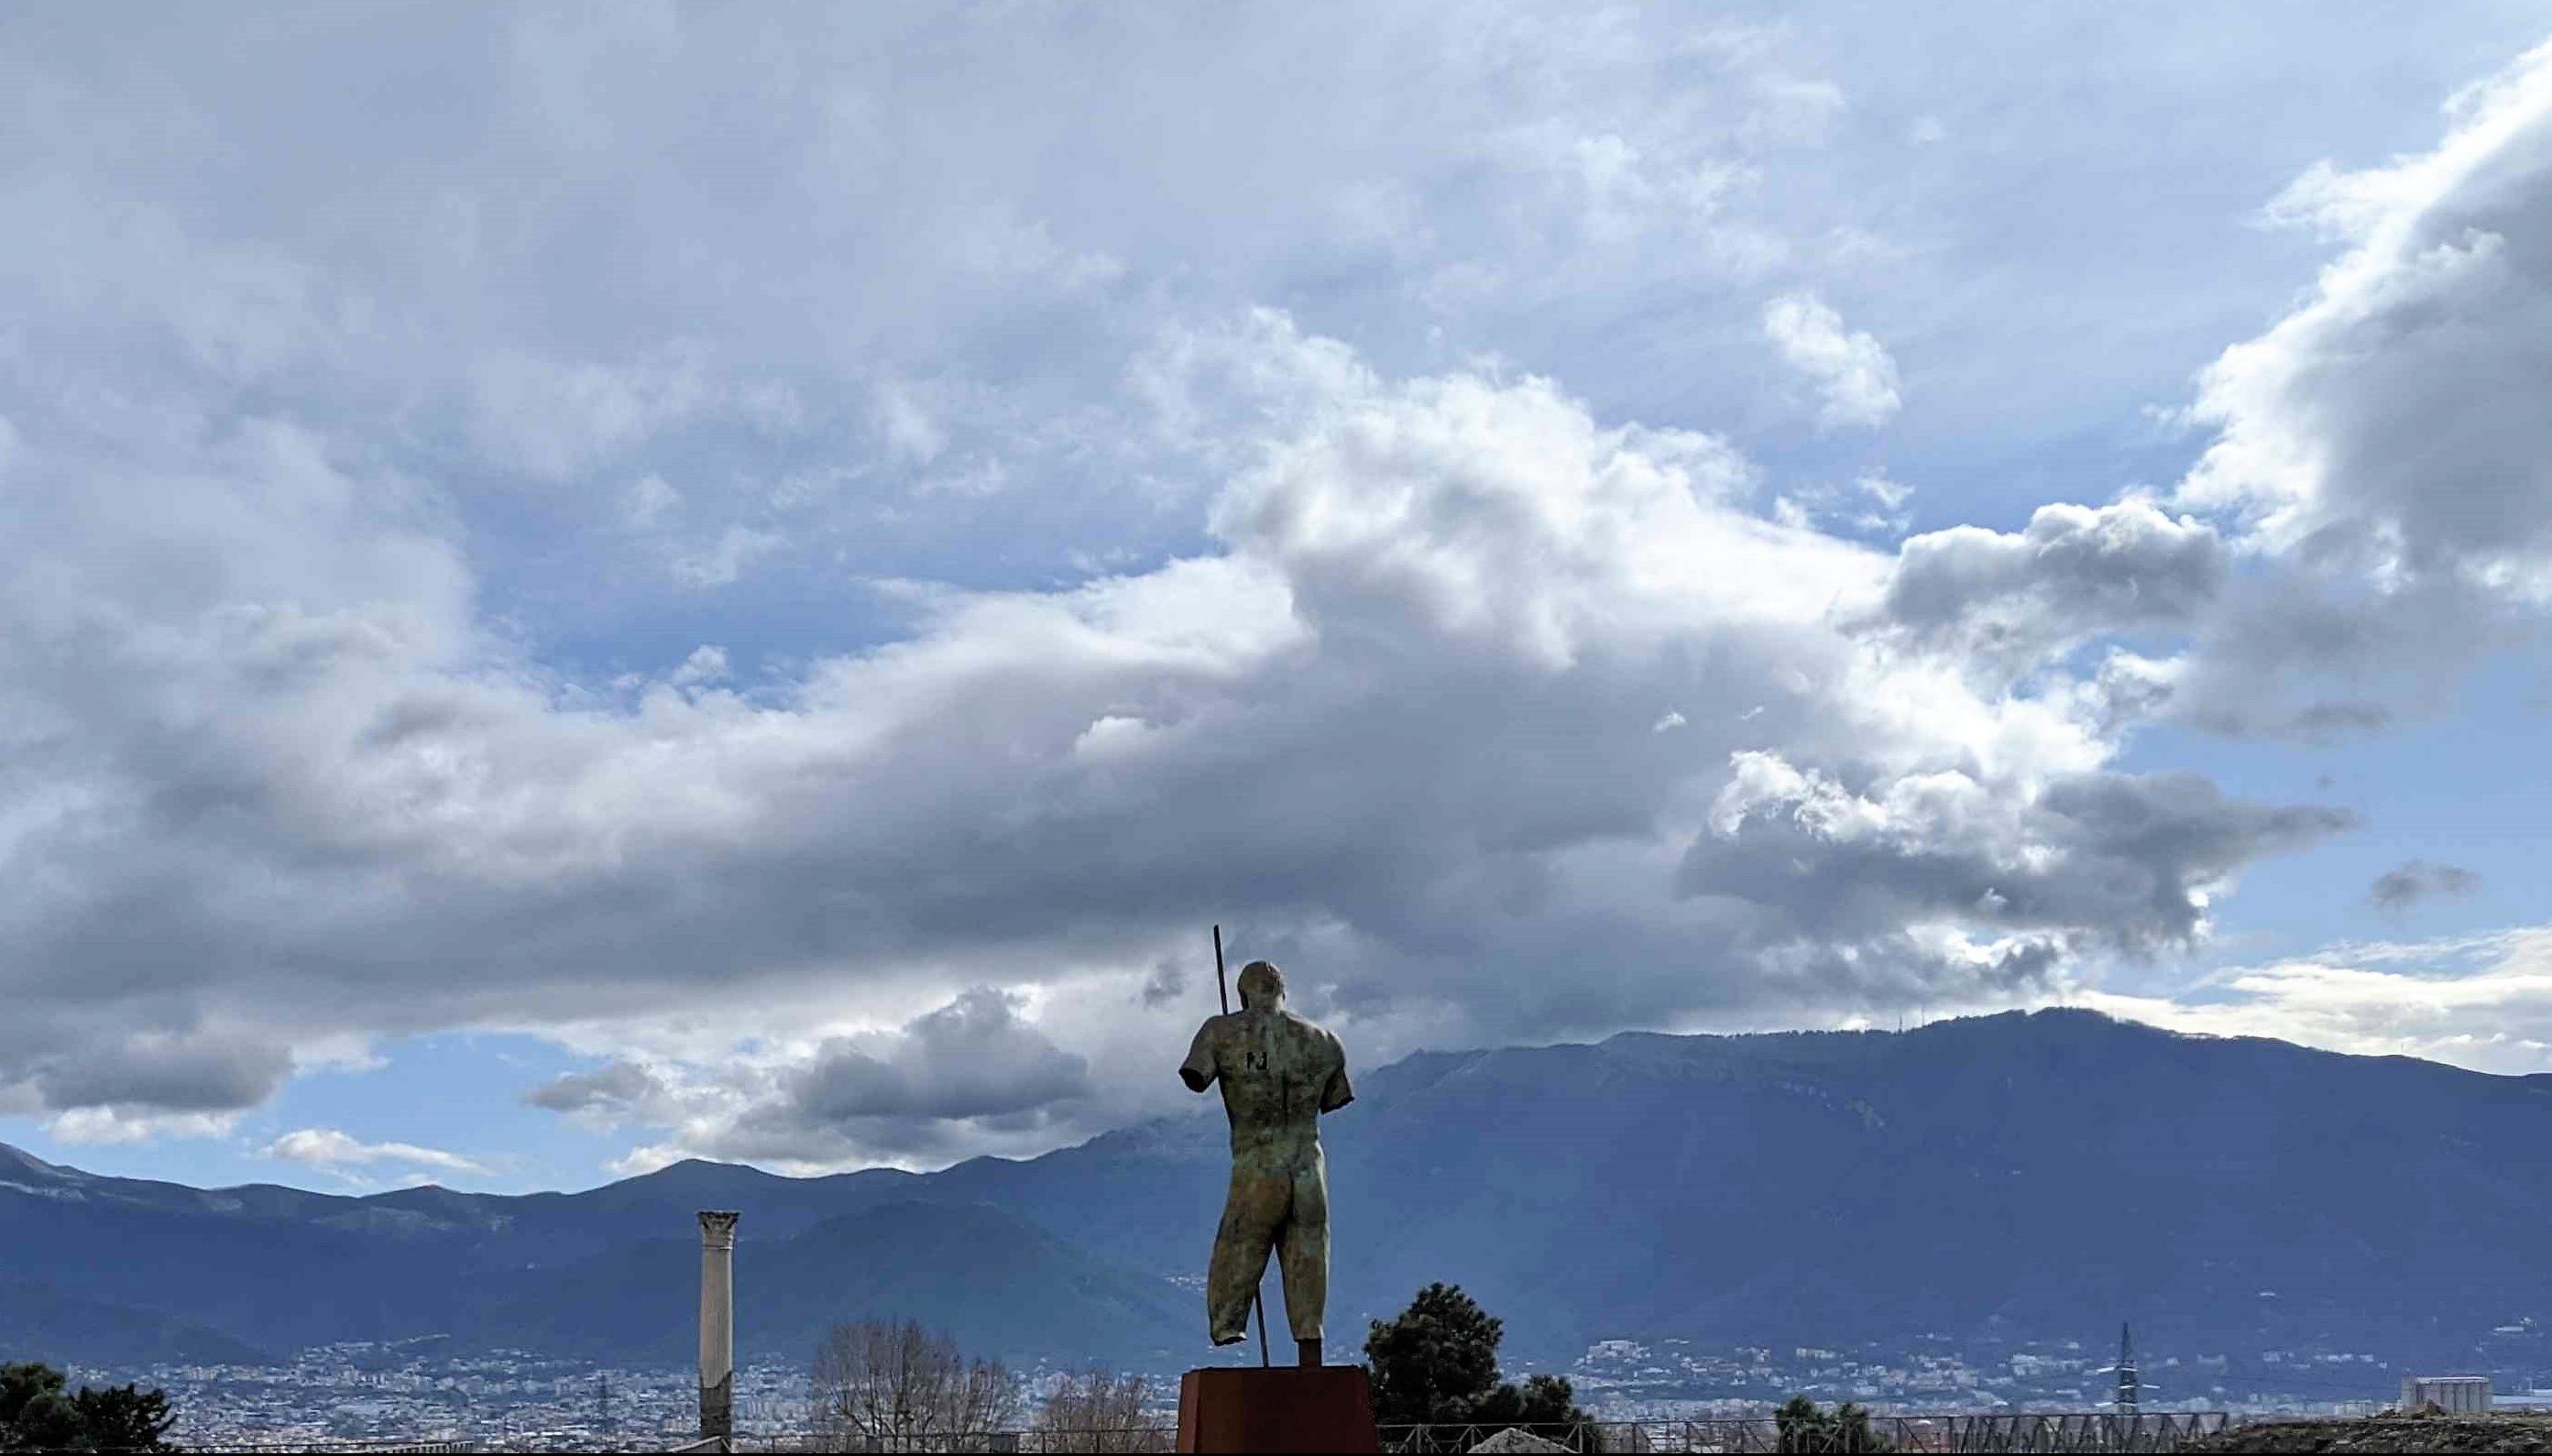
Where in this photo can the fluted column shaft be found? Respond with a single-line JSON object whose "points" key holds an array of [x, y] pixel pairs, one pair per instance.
{"points": [[717, 1325]]}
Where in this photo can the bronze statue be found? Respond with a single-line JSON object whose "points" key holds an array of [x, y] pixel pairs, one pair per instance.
{"points": [[1279, 1073]]}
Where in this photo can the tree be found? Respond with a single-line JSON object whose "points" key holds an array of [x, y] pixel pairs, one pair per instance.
{"points": [[879, 1385], [1436, 1364], [1543, 1400], [1806, 1426], [1094, 1411], [36, 1414], [125, 1418]]}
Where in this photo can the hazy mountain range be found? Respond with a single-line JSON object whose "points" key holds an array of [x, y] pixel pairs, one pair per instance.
{"points": [[2048, 1174]]}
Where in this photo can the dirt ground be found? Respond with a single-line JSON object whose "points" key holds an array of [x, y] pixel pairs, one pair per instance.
{"points": [[2390, 1433]]}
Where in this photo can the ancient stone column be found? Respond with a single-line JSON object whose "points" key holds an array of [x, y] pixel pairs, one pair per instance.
{"points": [[718, 1325]]}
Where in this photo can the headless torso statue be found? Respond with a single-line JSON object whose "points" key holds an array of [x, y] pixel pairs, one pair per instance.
{"points": [[1279, 1073]]}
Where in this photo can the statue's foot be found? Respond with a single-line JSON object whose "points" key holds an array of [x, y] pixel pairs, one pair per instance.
{"points": [[1234, 1337], [1307, 1354]]}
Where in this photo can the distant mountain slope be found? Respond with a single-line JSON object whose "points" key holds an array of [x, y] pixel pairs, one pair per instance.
{"points": [[2046, 1171], [271, 1267], [999, 1285], [2047, 1174], [41, 1324]]}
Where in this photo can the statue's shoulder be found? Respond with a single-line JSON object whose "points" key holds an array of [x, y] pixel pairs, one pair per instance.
{"points": [[1306, 1026]]}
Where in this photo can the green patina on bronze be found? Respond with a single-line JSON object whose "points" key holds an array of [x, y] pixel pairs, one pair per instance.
{"points": [[1279, 1073]]}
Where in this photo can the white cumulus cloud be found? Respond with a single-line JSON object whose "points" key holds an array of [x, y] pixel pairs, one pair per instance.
{"points": [[1855, 378], [328, 1148], [1087, 599]]}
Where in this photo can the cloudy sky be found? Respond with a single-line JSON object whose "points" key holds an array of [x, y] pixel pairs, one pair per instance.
{"points": [[579, 588]]}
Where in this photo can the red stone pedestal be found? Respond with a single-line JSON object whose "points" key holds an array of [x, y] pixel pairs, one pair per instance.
{"points": [[1245, 1409]]}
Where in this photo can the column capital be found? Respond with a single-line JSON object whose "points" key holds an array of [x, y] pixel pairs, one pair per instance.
{"points": [[718, 1228]]}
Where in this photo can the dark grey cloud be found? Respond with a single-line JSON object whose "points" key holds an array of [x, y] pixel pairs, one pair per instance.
{"points": [[2318, 657], [2011, 600], [971, 1066], [1828, 876], [972, 1058], [2386, 419], [2384, 445], [2412, 880], [2281, 647], [615, 1091], [2378, 462], [196, 1072], [1166, 985]]}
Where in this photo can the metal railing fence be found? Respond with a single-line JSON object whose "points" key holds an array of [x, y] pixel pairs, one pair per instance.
{"points": [[2050, 1431]]}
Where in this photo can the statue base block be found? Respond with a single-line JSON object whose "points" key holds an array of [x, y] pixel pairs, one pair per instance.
{"points": [[1248, 1409]]}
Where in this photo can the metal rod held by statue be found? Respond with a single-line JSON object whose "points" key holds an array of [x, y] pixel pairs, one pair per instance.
{"points": [[1222, 992]]}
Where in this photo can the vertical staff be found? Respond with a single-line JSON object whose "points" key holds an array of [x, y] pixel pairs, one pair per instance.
{"points": [[1259, 1295]]}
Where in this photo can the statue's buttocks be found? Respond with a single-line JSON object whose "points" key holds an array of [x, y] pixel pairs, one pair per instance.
{"points": [[1279, 1073]]}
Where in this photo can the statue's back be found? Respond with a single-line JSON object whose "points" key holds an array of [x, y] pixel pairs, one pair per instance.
{"points": [[1279, 1073]]}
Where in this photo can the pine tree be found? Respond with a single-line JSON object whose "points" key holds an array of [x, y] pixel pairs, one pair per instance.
{"points": [[1436, 1364], [36, 1416]]}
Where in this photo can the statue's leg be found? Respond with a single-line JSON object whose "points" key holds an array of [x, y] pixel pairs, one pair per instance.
{"points": [[1251, 1215], [1304, 1248]]}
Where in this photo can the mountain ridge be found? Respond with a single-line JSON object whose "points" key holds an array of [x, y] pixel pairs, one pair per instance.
{"points": [[2050, 1171]]}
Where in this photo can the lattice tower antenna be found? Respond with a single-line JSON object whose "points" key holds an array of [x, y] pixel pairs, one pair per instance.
{"points": [[2131, 1388]]}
